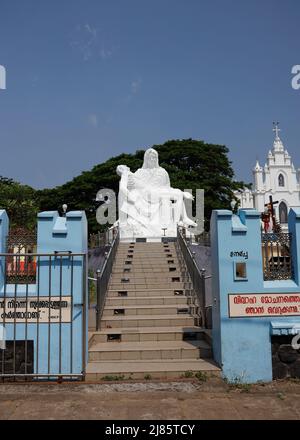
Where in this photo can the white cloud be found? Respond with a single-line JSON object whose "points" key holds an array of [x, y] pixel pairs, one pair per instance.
{"points": [[105, 53], [91, 30], [136, 86], [93, 120], [86, 41]]}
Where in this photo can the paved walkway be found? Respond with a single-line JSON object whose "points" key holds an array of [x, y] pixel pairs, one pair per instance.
{"points": [[186, 399]]}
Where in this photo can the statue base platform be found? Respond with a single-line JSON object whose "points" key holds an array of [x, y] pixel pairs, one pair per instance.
{"points": [[169, 235], [128, 235]]}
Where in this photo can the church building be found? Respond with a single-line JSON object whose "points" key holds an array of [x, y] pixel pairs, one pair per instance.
{"points": [[278, 178]]}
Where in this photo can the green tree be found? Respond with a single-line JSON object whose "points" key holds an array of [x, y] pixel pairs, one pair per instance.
{"points": [[190, 164], [20, 202]]}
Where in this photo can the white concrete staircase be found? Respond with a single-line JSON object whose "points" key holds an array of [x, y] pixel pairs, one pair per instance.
{"points": [[147, 330]]}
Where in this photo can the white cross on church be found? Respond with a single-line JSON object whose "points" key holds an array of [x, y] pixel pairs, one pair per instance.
{"points": [[276, 129]]}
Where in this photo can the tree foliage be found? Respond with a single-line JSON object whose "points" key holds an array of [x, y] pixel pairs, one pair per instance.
{"points": [[190, 164], [20, 203]]}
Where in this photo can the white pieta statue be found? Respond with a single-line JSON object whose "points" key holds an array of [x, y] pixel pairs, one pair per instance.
{"points": [[148, 206]]}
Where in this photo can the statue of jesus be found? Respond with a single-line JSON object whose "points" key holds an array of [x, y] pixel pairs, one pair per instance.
{"points": [[148, 206]]}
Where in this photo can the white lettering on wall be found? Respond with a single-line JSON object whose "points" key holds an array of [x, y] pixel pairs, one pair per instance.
{"points": [[296, 78]]}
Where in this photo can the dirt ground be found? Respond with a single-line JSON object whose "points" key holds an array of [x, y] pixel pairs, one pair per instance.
{"points": [[185, 399]]}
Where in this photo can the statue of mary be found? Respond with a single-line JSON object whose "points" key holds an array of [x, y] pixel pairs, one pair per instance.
{"points": [[148, 206]]}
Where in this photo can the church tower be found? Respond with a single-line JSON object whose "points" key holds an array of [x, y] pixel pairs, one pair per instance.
{"points": [[278, 178], [259, 185]]}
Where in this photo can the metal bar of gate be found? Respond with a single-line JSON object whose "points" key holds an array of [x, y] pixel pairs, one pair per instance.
{"points": [[84, 312], [21, 271], [26, 317], [71, 328], [38, 315], [60, 298], [15, 299], [277, 258], [49, 314], [4, 317]]}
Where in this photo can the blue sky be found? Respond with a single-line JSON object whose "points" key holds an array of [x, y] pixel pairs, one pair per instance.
{"points": [[89, 79]]}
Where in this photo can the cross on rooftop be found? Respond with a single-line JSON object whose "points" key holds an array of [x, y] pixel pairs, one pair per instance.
{"points": [[276, 129]]}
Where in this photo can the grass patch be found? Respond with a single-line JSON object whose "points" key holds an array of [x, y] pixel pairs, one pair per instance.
{"points": [[187, 375], [237, 384], [113, 378], [201, 376]]}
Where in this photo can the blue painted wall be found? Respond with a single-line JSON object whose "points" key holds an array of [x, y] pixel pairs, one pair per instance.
{"points": [[55, 234], [242, 346]]}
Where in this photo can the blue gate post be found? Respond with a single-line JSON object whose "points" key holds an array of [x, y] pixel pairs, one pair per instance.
{"points": [[63, 347], [248, 311]]}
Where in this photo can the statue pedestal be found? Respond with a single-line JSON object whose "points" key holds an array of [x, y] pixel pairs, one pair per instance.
{"points": [[127, 234]]}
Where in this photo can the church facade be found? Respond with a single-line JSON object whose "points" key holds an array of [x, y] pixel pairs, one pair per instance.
{"points": [[278, 178]]}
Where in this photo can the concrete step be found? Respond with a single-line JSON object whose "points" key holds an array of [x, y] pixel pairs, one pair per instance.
{"points": [[145, 300], [127, 278], [168, 369], [131, 264], [147, 334], [147, 245], [147, 259], [147, 254], [127, 291], [164, 259], [124, 351], [139, 321], [146, 251], [137, 310], [151, 285], [147, 271], [147, 268], [138, 275]]}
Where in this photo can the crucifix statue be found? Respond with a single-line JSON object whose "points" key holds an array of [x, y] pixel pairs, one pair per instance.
{"points": [[268, 215]]}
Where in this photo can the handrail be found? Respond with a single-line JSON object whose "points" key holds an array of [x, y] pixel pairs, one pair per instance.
{"points": [[103, 277], [198, 276]]}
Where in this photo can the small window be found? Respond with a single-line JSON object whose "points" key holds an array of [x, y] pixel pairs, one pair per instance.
{"points": [[240, 271], [281, 180]]}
